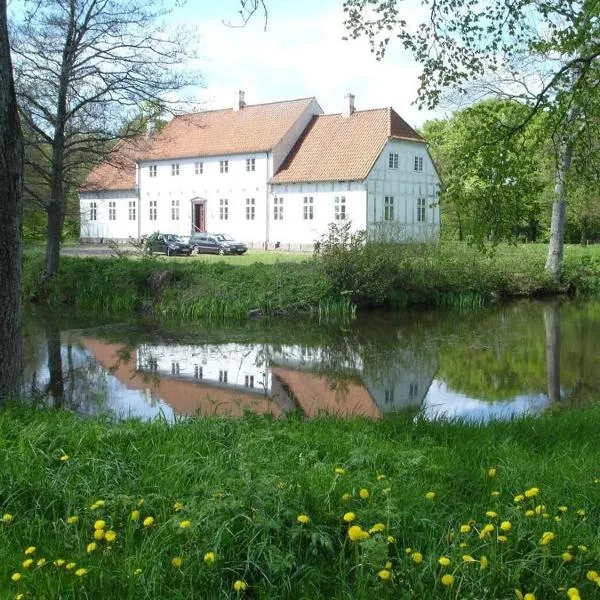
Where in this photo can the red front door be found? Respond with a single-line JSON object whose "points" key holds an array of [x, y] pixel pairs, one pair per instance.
{"points": [[199, 217]]}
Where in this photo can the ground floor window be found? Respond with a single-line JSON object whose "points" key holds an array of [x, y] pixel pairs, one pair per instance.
{"points": [[153, 209], [278, 209], [340, 208], [174, 210], [308, 208], [421, 210], [132, 210], [223, 209], [388, 208], [112, 211], [250, 209], [93, 211]]}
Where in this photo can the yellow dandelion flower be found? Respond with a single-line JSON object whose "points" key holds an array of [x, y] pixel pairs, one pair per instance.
{"points": [[502, 539], [529, 596], [505, 526], [444, 561], [210, 558], [463, 545], [384, 575], [465, 528], [7, 518], [417, 558], [388, 565], [349, 517], [30, 550], [135, 515], [240, 585], [59, 562], [430, 496], [380, 477], [81, 572], [64, 458], [592, 575], [355, 533], [532, 492], [547, 537], [137, 572], [408, 550], [178, 506], [566, 557], [41, 562], [177, 561], [495, 493], [491, 472], [484, 562], [468, 558], [70, 566], [72, 520], [98, 534], [303, 519], [27, 563], [486, 531], [16, 576], [518, 594], [391, 539], [19, 596], [110, 536], [573, 593], [185, 524], [529, 513], [540, 508], [98, 504], [100, 524], [346, 497], [582, 548], [91, 547], [148, 522], [339, 471], [519, 498], [447, 579], [491, 514], [364, 493], [563, 509], [581, 512], [377, 528]]}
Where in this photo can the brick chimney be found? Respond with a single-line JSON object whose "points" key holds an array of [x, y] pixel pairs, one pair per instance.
{"points": [[348, 105], [238, 100]]}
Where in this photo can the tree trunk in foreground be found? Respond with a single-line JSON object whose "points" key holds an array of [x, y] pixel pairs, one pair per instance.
{"points": [[554, 262], [11, 197]]}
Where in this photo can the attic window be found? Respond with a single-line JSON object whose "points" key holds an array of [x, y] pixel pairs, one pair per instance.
{"points": [[199, 168], [250, 164], [175, 169], [418, 164], [152, 170], [393, 160], [224, 166]]}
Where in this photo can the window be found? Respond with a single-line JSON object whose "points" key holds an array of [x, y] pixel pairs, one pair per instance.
{"points": [[393, 160], [132, 210], [152, 170], [278, 209], [250, 164], [413, 389], [389, 396], [249, 381], [223, 209], [421, 210], [93, 211], [198, 374], [175, 169], [308, 208], [340, 208], [174, 368], [112, 211], [199, 168], [174, 210], [224, 166], [153, 204], [223, 376], [418, 163], [388, 208], [250, 206]]}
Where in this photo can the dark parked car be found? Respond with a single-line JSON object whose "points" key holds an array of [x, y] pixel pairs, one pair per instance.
{"points": [[216, 243], [168, 243]]}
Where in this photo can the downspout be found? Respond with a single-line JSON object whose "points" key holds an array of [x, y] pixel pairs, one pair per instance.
{"points": [[138, 171], [267, 207]]}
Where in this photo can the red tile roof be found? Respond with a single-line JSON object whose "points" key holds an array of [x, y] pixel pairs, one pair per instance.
{"points": [[337, 148], [255, 128]]}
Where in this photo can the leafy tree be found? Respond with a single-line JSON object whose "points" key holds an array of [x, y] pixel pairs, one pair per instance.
{"points": [[11, 197], [83, 67], [542, 52]]}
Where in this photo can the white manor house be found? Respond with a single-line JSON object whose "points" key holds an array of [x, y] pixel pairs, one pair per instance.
{"points": [[271, 175]]}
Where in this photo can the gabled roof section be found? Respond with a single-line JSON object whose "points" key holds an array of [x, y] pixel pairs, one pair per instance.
{"points": [[117, 172], [254, 128], [337, 148]]}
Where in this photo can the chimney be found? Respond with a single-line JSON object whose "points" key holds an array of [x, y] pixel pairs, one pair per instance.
{"points": [[348, 105], [238, 100]]}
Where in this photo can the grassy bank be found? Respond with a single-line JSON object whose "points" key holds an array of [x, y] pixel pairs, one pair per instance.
{"points": [[332, 282], [510, 506]]}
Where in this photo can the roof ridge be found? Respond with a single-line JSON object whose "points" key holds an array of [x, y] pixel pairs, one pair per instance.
{"points": [[229, 108]]}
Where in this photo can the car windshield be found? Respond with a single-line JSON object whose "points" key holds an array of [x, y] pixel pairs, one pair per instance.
{"points": [[223, 237], [173, 238]]}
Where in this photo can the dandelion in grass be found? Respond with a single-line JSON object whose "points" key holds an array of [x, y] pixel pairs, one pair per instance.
{"points": [[98, 504], [240, 585], [573, 593], [110, 536], [444, 561], [567, 557], [592, 576], [377, 528], [140, 502], [356, 533], [483, 562], [41, 562], [430, 496], [135, 515], [178, 506], [303, 519], [99, 534], [347, 496], [547, 537], [466, 528], [581, 512], [349, 517], [184, 524], [100, 524], [148, 522], [364, 493], [64, 458], [492, 472], [486, 531], [463, 545], [408, 550], [30, 550], [177, 561], [417, 558], [495, 494], [467, 558], [16, 576], [70, 566], [502, 539], [519, 498], [19, 596], [530, 513], [381, 477], [27, 563], [384, 575], [73, 520], [81, 572], [563, 509], [447, 579], [491, 514], [339, 471], [391, 539], [505, 526], [91, 547], [532, 492], [582, 548], [388, 565], [7, 518], [520, 596], [137, 572], [210, 558], [59, 562]]}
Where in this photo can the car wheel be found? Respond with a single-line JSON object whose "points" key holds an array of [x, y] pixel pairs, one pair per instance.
{"points": [[221, 251]]}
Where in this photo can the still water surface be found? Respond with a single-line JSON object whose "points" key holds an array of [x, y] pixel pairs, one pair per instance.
{"points": [[524, 357]]}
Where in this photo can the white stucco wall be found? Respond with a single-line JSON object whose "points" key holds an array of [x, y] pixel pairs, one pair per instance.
{"points": [[103, 228], [405, 185]]}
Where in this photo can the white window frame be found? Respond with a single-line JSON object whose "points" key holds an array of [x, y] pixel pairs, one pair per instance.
{"points": [[112, 211], [153, 210], [223, 209], [278, 208], [132, 210], [308, 208], [250, 164], [340, 208], [175, 169], [152, 171], [93, 211], [418, 164], [224, 166], [250, 209], [421, 210], [393, 160], [174, 210], [388, 208], [199, 168]]}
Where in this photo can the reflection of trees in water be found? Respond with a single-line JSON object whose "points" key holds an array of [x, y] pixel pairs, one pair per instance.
{"points": [[552, 330]]}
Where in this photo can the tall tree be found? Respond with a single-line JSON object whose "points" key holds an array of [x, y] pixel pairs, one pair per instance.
{"points": [[11, 196], [543, 52], [83, 67]]}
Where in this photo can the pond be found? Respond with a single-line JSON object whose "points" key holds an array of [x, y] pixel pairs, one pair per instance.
{"points": [[505, 360]]}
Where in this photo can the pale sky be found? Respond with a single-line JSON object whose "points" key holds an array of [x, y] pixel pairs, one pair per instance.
{"points": [[300, 54]]}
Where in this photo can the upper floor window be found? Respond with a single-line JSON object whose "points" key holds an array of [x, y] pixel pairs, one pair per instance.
{"points": [[152, 170], [308, 208], [250, 164], [418, 164], [224, 166], [112, 211], [93, 211], [421, 218], [388, 208], [175, 169], [223, 209], [393, 160], [153, 210], [199, 168], [174, 210], [340, 208], [278, 209], [250, 209], [132, 210], [222, 376]]}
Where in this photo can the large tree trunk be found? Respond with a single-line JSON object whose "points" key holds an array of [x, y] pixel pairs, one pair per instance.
{"points": [[554, 262], [53, 234], [11, 206]]}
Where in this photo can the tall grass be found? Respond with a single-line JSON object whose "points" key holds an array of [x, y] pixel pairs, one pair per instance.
{"points": [[241, 486]]}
